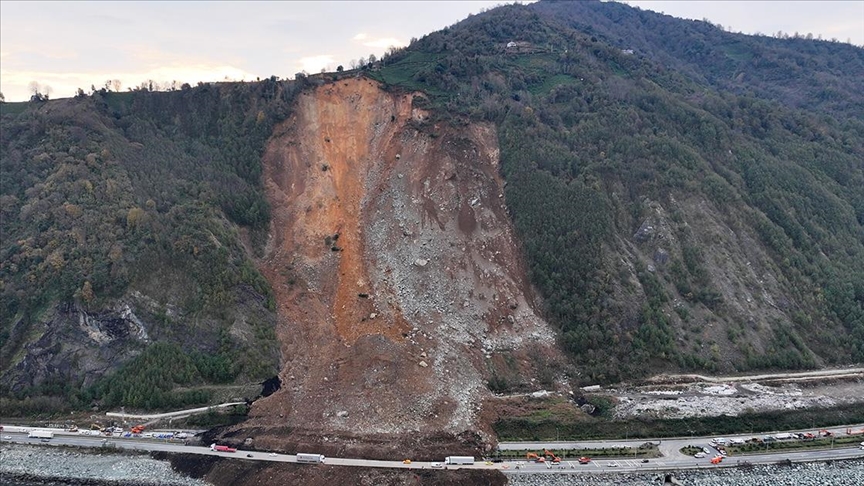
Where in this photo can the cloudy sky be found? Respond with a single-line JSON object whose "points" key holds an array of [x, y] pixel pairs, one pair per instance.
{"points": [[69, 45]]}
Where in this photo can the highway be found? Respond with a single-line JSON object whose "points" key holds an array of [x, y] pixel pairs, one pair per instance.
{"points": [[668, 462], [669, 448]]}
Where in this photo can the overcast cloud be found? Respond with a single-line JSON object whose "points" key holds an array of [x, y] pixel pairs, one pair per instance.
{"points": [[70, 45]]}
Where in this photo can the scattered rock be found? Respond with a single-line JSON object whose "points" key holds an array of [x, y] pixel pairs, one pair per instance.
{"points": [[421, 262], [342, 413], [422, 364], [645, 232]]}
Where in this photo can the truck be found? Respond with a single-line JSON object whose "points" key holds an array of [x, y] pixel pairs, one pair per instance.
{"points": [[222, 448], [40, 434], [459, 460], [310, 458]]}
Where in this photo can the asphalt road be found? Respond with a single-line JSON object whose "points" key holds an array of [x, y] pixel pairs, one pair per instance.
{"points": [[598, 466], [669, 448]]}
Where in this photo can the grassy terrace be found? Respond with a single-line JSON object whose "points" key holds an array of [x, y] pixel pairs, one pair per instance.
{"points": [[824, 443], [537, 428], [601, 453]]}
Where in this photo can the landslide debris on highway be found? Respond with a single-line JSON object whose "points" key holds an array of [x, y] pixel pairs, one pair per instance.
{"points": [[399, 285], [221, 471]]}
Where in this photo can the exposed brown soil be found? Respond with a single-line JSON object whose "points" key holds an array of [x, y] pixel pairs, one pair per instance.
{"points": [[398, 281]]}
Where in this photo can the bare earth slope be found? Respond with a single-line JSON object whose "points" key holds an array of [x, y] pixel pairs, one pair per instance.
{"points": [[395, 271]]}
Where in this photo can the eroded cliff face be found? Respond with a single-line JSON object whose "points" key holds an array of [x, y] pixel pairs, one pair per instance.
{"points": [[398, 280]]}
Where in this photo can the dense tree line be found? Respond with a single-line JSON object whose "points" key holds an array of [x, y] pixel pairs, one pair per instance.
{"points": [[144, 191], [591, 133]]}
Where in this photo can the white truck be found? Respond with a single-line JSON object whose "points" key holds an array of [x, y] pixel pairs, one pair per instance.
{"points": [[40, 434], [459, 460], [310, 458]]}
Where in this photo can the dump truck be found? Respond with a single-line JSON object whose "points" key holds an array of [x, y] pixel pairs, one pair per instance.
{"points": [[310, 458], [40, 434], [459, 460]]}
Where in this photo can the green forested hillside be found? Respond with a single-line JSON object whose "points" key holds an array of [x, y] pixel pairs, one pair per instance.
{"points": [[142, 200], [656, 201], [686, 198]]}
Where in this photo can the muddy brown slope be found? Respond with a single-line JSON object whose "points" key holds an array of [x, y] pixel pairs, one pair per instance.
{"points": [[395, 271]]}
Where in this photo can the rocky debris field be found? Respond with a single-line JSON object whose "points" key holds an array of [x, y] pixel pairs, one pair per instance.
{"points": [[21, 464], [839, 473], [713, 399]]}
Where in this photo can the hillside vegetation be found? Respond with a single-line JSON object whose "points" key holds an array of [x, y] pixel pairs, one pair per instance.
{"points": [[125, 217], [685, 198], [677, 208]]}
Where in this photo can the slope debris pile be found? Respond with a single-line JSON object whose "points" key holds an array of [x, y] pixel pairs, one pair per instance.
{"points": [[394, 267]]}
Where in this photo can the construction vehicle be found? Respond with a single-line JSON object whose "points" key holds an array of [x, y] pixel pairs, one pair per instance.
{"points": [[222, 448], [826, 433], [550, 456], [854, 432], [137, 429], [584, 460], [716, 460], [534, 457]]}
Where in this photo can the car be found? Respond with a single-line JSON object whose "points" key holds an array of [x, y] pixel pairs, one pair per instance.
{"points": [[272, 454], [497, 459], [437, 464], [612, 464], [406, 461], [644, 460], [699, 455], [7, 437], [248, 455]]}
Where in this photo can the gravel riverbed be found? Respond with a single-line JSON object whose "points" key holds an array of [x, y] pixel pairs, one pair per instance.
{"points": [[28, 465], [838, 473]]}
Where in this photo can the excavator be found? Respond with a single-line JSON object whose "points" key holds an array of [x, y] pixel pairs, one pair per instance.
{"points": [[550, 456], [716, 459], [137, 429], [534, 457], [826, 433]]}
